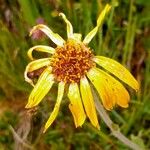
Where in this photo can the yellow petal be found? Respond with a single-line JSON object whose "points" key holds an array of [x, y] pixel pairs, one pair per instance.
{"points": [[100, 20], [40, 48], [110, 90], [69, 26], [53, 115], [42, 87], [34, 65], [57, 39], [88, 101], [76, 106], [117, 70], [77, 36]]}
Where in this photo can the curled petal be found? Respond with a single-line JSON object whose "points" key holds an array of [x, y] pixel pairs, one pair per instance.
{"points": [[100, 20], [75, 105], [40, 48], [110, 90], [69, 26], [57, 39], [117, 70], [42, 87], [34, 65], [53, 115], [88, 101]]}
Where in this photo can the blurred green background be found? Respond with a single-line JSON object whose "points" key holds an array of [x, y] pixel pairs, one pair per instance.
{"points": [[125, 37]]}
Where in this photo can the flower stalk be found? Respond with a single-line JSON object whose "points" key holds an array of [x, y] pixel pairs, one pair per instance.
{"points": [[111, 125]]}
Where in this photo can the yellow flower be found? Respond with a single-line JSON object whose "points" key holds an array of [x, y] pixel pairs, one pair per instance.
{"points": [[72, 63]]}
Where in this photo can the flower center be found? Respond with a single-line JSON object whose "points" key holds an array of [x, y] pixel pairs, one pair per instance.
{"points": [[72, 61]]}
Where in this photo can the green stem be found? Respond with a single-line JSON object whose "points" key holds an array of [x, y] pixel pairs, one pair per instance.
{"points": [[112, 126]]}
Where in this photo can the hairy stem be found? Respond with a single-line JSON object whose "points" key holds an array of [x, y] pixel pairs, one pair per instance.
{"points": [[19, 139], [112, 126]]}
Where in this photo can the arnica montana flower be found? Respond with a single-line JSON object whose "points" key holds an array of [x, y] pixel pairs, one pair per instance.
{"points": [[73, 63]]}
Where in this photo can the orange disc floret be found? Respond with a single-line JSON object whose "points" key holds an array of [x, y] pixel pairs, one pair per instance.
{"points": [[72, 61]]}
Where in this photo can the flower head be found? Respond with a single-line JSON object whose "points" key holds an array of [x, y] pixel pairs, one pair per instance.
{"points": [[73, 63]]}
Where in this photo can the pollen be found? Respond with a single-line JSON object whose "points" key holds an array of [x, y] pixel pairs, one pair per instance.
{"points": [[71, 61]]}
